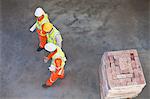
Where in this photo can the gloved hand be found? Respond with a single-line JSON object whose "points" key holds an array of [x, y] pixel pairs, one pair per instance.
{"points": [[33, 27], [52, 68]]}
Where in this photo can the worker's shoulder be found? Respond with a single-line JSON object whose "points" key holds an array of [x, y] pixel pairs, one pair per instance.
{"points": [[55, 27]]}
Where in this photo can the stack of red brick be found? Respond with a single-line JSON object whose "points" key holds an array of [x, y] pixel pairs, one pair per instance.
{"points": [[121, 75]]}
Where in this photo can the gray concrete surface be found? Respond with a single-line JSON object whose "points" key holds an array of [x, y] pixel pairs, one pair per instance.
{"points": [[89, 28]]}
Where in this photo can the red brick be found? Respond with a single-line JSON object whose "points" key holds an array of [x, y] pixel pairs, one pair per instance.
{"points": [[124, 76], [117, 83], [128, 80], [123, 82], [130, 70], [133, 64], [132, 56], [117, 70], [109, 73], [125, 54], [111, 58], [111, 83], [129, 75], [113, 68], [122, 63], [107, 64], [125, 71], [142, 80], [109, 70], [128, 61], [114, 75], [133, 81], [136, 73], [117, 62], [115, 53], [129, 83], [121, 76], [140, 73], [138, 64], [137, 80]]}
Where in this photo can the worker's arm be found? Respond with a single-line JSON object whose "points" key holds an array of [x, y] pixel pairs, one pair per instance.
{"points": [[59, 40], [46, 59], [33, 27]]}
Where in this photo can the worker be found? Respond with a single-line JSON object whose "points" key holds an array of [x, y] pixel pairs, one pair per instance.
{"points": [[41, 19], [58, 60], [53, 35]]}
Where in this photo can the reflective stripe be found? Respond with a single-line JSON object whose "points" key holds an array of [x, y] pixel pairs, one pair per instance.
{"points": [[51, 80], [60, 72]]}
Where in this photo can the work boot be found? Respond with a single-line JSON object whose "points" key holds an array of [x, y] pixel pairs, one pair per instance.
{"points": [[39, 49], [45, 86]]}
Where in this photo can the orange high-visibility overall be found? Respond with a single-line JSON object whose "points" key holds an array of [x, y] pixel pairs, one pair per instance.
{"points": [[58, 73], [41, 34], [54, 76], [42, 38], [58, 61]]}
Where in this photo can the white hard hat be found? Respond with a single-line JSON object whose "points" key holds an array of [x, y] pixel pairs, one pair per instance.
{"points": [[50, 47], [39, 12]]}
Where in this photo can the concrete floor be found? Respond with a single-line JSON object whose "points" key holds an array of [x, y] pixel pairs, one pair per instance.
{"points": [[89, 28]]}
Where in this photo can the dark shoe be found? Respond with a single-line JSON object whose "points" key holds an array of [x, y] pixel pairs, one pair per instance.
{"points": [[39, 49], [45, 86]]}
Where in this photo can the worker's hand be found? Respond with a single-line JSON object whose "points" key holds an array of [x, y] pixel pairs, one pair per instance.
{"points": [[52, 68], [45, 59], [33, 27], [31, 30]]}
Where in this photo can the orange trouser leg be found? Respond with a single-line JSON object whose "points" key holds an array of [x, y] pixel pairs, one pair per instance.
{"points": [[52, 79], [62, 74], [54, 76], [42, 40]]}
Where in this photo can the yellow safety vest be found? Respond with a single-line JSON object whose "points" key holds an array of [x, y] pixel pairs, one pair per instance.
{"points": [[59, 54], [51, 37], [40, 23]]}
